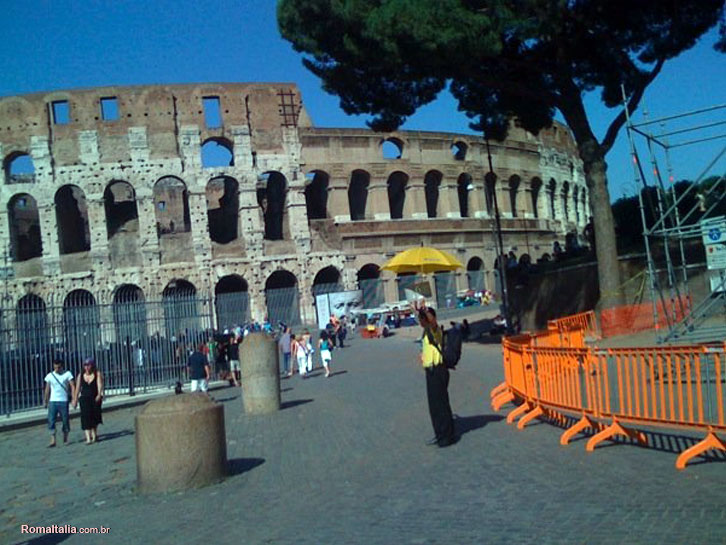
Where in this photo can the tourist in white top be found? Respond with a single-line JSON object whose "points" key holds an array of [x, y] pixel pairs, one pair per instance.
{"points": [[59, 390]]}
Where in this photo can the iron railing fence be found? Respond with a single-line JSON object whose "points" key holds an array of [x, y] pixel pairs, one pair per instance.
{"points": [[136, 344], [283, 305]]}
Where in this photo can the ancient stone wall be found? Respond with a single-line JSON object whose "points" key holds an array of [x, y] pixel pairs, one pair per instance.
{"points": [[148, 186]]}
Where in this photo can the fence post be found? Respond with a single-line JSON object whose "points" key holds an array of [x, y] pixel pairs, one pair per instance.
{"points": [[130, 366]]}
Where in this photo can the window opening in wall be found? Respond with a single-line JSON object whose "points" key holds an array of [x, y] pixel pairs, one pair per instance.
{"points": [[316, 195], [61, 112], [109, 108], [464, 186], [72, 220], [25, 239], [271, 196], [212, 113], [397, 194], [358, 194], [432, 181], [161, 205], [513, 189], [217, 152], [223, 209], [392, 148], [459, 149], [19, 169]]}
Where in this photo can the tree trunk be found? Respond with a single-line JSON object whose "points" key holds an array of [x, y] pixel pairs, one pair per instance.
{"points": [[605, 242]]}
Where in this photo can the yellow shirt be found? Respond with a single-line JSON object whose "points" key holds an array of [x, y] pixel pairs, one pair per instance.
{"points": [[431, 355]]}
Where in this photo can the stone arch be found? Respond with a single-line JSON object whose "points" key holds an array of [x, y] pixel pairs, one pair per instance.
{"points": [[397, 182], [534, 188], [19, 168], [217, 152], [231, 301], [327, 280], [552, 196], [565, 202], [282, 298], [490, 187], [432, 183], [171, 206], [464, 187], [129, 313], [271, 197], [392, 148], [81, 324], [32, 323], [223, 209], [71, 215], [358, 194], [316, 195], [122, 223], [370, 283], [459, 150], [24, 227], [475, 273], [514, 182], [576, 208], [181, 316]]}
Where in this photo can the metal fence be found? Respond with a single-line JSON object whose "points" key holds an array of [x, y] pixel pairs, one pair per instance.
{"points": [[136, 344], [373, 292], [445, 284], [283, 305]]}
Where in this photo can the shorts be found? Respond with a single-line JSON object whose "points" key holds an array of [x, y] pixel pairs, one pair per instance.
{"points": [[234, 365], [200, 385], [325, 356]]}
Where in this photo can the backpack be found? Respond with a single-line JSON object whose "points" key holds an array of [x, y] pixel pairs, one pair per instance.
{"points": [[451, 351]]}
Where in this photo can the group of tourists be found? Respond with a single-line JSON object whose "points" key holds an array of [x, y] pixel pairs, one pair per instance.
{"points": [[298, 348], [61, 390]]}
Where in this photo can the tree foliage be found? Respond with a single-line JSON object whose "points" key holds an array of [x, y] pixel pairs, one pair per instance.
{"points": [[500, 59]]}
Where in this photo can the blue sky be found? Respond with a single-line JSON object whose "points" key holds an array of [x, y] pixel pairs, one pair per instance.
{"points": [[62, 44]]}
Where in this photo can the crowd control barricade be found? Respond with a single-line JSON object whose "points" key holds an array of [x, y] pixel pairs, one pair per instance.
{"points": [[554, 374]]}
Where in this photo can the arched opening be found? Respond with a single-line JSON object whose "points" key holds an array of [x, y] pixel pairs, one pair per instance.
{"points": [[271, 195], [475, 274], [535, 187], [397, 193], [514, 182], [231, 301], [223, 209], [370, 283], [464, 186], [551, 195], [81, 325], [171, 207], [24, 223], [575, 203], [565, 200], [32, 324], [458, 150], [432, 182], [72, 218], [129, 314], [327, 281], [316, 195], [122, 223], [282, 298], [181, 316], [19, 169], [217, 152], [392, 148], [358, 194], [490, 186]]}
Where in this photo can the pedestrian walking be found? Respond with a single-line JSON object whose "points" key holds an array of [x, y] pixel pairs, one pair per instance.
{"points": [[341, 332], [325, 351], [284, 344], [308, 351], [198, 368], [299, 353], [89, 391], [59, 391], [233, 356], [437, 379]]}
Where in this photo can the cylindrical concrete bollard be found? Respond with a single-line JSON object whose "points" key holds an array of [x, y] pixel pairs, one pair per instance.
{"points": [[180, 443], [260, 368]]}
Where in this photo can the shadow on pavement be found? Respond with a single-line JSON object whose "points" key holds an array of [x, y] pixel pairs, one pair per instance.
{"points": [[102, 438], [336, 373], [294, 403], [465, 424], [46, 539], [237, 466]]}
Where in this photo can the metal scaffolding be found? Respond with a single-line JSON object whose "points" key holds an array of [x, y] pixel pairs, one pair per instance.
{"points": [[676, 228]]}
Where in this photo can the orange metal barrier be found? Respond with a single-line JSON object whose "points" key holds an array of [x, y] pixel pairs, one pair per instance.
{"points": [[613, 391], [584, 321]]}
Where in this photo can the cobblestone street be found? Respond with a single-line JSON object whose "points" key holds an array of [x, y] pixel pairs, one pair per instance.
{"points": [[345, 461]]}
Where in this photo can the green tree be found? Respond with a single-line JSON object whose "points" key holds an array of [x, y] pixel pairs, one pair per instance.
{"points": [[501, 59]]}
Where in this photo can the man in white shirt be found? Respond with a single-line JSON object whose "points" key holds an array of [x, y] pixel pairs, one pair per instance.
{"points": [[59, 390]]}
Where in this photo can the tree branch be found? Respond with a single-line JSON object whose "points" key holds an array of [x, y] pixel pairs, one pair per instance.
{"points": [[635, 99]]}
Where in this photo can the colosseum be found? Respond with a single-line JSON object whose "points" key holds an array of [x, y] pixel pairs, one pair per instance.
{"points": [[140, 193]]}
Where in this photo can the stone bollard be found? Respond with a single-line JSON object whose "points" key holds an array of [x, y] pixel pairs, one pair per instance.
{"points": [[260, 367], [180, 443]]}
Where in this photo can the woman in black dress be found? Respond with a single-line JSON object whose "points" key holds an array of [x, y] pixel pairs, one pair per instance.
{"points": [[89, 388]]}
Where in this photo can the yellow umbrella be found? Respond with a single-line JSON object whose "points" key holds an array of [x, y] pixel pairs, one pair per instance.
{"points": [[422, 260]]}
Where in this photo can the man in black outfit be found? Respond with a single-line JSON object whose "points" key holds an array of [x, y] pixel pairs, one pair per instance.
{"points": [[437, 380]]}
